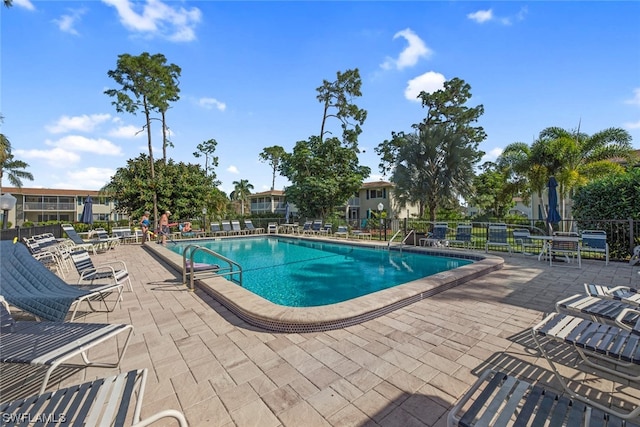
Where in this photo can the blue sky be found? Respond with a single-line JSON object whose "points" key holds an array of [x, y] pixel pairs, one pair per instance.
{"points": [[250, 72]]}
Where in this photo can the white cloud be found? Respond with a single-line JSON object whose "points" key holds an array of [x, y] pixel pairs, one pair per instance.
{"points": [[25, 4], [491, 155], [636, 97], [210, 103], [128, 132], [57, 157], [83, 144], [66, 23], [82, 123], [92, 178], [233, 169], [632, 125], [158, 19], [481, 16], [428, 82], [411, 54]]}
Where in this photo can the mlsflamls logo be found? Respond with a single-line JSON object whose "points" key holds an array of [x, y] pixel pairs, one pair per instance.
{"points": [[8, 419]]}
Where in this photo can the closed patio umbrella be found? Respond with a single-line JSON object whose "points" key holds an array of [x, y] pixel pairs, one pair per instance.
{"points": [[87, 211], [553, 216], [286, 213]]}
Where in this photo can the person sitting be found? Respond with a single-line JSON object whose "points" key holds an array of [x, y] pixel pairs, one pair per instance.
{"points": [[186, 227]]}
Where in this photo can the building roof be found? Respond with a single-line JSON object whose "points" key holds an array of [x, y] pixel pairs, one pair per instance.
{"points": [[49, 192], [268, 193], [376, 184]]}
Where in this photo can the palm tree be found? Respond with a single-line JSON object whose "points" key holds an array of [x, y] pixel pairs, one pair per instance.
{"points": [[434, 168], [15, 174], [241, 191], [575, 158], [14, 168], [527, 176]]}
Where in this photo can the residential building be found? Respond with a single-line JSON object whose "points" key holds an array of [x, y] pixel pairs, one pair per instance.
{"points": [[39, 205], [271, 201]]}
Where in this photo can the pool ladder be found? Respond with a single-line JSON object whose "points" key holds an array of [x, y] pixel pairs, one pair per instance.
{"points": [[401, 243], [230, 269]]}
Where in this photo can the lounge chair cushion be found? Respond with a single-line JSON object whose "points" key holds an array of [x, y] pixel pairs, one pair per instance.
{"points": [[29, 285]]}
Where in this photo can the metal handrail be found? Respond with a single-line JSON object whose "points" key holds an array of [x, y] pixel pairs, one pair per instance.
{"points": [[393, 237], [220, 271]]}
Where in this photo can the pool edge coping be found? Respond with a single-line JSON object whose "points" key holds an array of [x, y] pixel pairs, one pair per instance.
{"points": [[260, 312]]}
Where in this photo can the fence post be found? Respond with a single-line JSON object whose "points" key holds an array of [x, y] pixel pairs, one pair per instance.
{"points": [[631, 238]]}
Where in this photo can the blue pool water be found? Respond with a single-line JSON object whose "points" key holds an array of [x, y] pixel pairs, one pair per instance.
{"points": [[302, 273]]}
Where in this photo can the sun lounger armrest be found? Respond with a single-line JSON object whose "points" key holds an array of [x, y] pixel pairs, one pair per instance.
{"points": [[113, 264], [167, 413], [565, 302], [620, 320], [621, 288], [86, 275]]}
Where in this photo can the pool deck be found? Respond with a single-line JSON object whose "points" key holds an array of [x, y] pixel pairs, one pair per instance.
{"points": [[404, 368]]}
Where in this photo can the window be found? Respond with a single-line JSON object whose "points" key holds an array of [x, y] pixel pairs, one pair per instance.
{"points": [[377, 193]]}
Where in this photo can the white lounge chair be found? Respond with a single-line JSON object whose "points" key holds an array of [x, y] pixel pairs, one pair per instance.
{"points": [[498, 400], [103, 402], [54, 344], [616, 345], [114, 270]]}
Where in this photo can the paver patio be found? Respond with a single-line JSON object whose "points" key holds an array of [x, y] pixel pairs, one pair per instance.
{"points": [[405, 369]]}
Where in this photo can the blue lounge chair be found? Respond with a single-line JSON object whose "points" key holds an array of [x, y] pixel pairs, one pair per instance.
{"points": [[30, 286], [93, 245], [216, 230], [463, 236], [104, 402], [596, 241], [437, 237], [226, 227], [53, 344], [248, 225], [497, 236]]}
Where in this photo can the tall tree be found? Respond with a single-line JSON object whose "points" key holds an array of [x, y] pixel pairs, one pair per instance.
{"points": [[206, 149], [434, 168], [324, 173], [523, 171], [273, 156], [241, 191], [437, 161], [337, 100], [147, 84], [492, 191], [168, 77], [182, 188]]}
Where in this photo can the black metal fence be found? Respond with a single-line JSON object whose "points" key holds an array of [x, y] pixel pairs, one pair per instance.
{"points": [[622, 234]]}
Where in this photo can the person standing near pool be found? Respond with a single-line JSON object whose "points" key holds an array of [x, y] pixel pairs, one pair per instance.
{"points": [[144, 226], [164, 226]]}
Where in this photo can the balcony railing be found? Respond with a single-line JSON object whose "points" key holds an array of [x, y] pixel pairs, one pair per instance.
{"points": [[49, 207]]}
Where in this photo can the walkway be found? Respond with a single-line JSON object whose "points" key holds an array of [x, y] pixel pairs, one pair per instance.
{"points": [[403, 369]]}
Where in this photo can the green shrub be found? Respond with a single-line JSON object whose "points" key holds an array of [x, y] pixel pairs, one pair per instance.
{"points": [[614, 197]]}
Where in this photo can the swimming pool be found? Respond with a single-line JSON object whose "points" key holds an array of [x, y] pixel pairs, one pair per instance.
{"points": [[304, 273], [221, 294]]}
